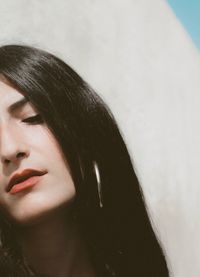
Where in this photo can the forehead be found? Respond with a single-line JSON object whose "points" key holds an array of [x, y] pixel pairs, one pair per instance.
{"points": [[8, 94]]}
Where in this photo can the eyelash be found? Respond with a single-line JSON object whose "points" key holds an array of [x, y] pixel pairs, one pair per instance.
{"points": [[36, 119]]}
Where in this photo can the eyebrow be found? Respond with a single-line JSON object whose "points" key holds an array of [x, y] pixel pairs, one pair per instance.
{"points": [[17, 105]]}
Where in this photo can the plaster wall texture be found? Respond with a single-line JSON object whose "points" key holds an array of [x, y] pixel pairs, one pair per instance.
{"points": [[141, 61]]}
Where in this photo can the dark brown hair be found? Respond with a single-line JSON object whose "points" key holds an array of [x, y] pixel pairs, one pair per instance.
{"points": [[111, 211]]}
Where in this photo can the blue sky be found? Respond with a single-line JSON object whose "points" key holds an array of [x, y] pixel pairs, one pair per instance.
{"points": [[188, 12]]}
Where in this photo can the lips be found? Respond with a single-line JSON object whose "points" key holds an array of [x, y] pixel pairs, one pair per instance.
{"points": [[22, 176]]}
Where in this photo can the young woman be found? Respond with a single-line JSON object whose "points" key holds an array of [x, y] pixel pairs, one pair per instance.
{"points": [[70, 202]]}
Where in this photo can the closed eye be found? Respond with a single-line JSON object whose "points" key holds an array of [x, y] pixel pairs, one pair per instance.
{"points": [[36, 119]]}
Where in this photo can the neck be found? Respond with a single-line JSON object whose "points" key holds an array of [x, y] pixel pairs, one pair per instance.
{"points": [[55, 248]]}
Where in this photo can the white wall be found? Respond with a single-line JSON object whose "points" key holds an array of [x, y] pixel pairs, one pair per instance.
{"points": [[137, 55]]}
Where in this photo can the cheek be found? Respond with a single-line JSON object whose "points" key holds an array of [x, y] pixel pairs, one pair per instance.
{"points": [[46, 151], [38, 136], [42, 140], [59, 185]]}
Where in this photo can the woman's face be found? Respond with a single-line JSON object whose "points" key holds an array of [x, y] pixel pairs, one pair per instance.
{"points": [[27, 143]]}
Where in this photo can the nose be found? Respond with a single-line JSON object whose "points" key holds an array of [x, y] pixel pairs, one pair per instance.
{"points": [[12, 146]]}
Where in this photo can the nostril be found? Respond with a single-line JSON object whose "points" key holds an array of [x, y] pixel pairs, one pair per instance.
{"points": [[19, 155], [6, 161]]}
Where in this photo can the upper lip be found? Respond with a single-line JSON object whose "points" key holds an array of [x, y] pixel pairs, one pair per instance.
{"points": [[21, 176]]}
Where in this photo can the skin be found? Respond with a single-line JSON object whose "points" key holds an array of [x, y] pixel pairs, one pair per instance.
{"points": [[50, 244]]}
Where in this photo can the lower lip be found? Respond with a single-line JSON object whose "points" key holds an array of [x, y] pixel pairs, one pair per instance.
{"points": [[30, 182]]}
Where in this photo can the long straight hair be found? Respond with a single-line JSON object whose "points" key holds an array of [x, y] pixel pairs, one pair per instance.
{"points": [[109, 204]]}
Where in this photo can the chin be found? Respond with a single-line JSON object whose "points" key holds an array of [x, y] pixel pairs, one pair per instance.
{"points": [[30, 217]]}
